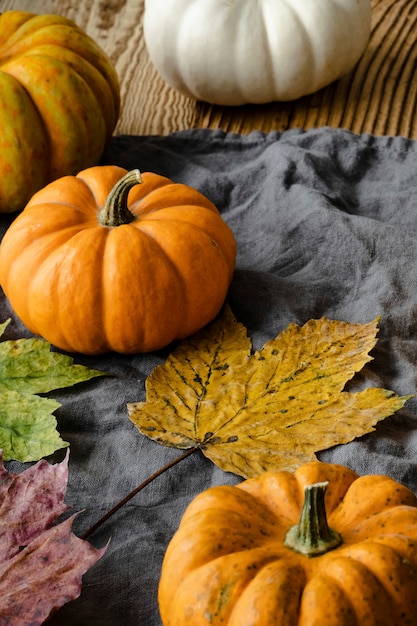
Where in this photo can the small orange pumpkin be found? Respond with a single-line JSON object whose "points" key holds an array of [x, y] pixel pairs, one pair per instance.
{"points": [[263, 553], [59, 103], [97, 262]]}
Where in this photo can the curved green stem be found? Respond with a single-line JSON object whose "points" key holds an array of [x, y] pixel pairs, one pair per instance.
{"points": [[312, 535], [115, 212]]}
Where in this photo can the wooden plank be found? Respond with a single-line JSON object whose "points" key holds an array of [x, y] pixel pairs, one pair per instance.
{"points": [[379, 96]]}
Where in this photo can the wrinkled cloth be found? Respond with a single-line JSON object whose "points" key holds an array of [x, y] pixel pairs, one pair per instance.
{"points": [[326, 225]]}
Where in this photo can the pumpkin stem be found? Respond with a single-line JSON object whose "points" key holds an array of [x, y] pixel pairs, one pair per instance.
{"points": [[312, 536], [115, 212]]}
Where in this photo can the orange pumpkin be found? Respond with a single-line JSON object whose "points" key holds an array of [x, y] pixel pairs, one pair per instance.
{"points": [[97, 262], [59, 103], [255, 555]]}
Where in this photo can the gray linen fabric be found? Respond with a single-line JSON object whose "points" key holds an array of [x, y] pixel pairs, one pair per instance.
{"points": [[326, 225]]}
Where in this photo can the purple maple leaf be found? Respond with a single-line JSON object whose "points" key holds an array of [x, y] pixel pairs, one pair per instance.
{"points": [[41, 564]]}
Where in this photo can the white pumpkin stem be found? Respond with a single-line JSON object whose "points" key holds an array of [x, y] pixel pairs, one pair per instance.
{"points": [[312, 535], [116, 212]]}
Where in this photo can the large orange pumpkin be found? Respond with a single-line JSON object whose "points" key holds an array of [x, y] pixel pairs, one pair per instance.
{"points": [[255, 555], [97, 262], [59, 103]]}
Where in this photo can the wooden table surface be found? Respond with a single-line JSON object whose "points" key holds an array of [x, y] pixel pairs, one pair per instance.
{"points": [[379, 96]]}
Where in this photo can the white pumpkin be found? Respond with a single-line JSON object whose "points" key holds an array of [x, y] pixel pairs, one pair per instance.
{"points": [[232, 52]]}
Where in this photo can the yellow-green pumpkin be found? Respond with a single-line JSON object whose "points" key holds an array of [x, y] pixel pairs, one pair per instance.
{"points": [[59, 103]]}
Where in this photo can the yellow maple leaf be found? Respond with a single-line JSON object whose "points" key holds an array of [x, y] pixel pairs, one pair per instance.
{"points": [[271, 409]]}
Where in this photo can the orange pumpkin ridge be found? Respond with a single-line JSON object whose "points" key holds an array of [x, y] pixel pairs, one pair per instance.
{"points": [[230, 562], [134, 283]]}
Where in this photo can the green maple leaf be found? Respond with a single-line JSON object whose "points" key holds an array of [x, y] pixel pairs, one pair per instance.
{"points": [[27, 424]]}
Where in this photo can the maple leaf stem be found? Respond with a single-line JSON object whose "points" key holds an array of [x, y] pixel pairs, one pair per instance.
{"points": [[137, 489]]}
